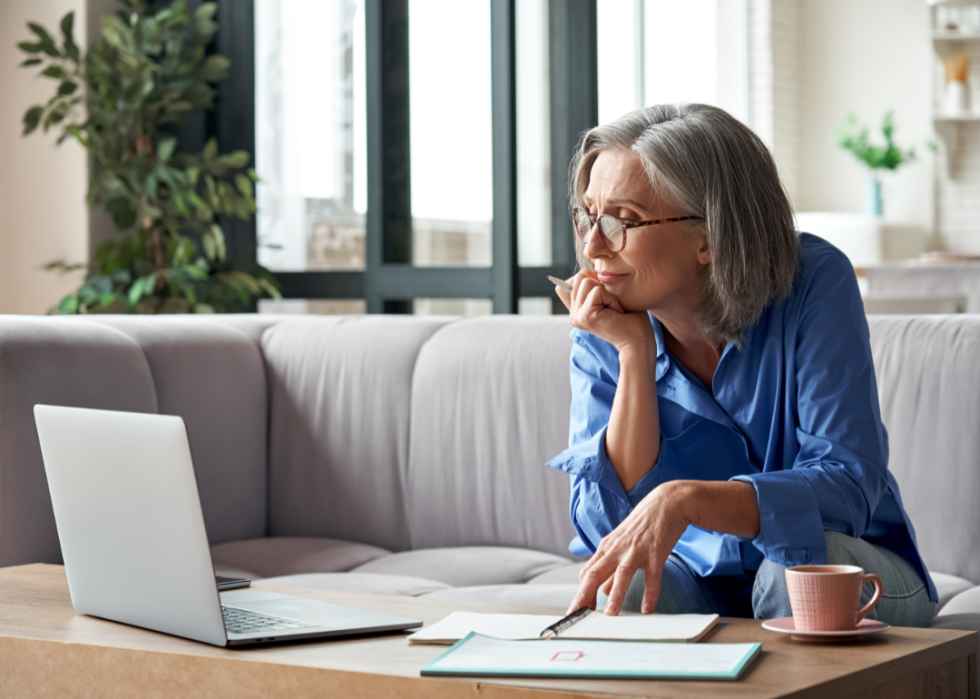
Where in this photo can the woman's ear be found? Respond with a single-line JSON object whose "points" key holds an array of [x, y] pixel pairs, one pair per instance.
{"points": [[704, 252]]}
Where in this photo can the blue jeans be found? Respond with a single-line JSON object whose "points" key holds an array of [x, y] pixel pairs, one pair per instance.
{"points": [[905, 601]]}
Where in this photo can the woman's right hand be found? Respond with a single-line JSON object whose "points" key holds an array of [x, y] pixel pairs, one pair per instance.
{"points": [[596, 310]]}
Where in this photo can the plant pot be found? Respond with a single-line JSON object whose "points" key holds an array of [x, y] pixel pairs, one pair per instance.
{"points": [[872, 202]]}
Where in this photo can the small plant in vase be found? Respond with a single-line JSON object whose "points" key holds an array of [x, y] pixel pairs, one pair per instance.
{"points": [[120, 101], [853, 137]]}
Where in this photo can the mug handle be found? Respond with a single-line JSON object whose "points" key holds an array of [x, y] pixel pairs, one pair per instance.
{"points": [[875, 598]]}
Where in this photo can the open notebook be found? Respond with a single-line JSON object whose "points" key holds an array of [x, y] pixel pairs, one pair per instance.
{"points": [[676, 628]]}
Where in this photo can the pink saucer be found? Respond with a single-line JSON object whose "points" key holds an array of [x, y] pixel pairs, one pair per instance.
{"points": [[864, 628]]}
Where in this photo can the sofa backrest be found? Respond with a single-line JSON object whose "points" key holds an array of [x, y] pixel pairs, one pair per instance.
{"points": [[208, 371], [410, 432], [928, 370], [490, 402], [341, 406]]}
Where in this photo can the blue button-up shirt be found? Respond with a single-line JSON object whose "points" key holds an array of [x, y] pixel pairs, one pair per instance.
{"points": [[794, 412]]}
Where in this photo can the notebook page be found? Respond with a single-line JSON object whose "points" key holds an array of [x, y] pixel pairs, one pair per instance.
{"points": [[458, 625], [642, 627]]}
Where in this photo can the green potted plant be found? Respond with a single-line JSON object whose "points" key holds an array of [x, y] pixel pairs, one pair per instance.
{"points": [[853, 137], [121, 100]]}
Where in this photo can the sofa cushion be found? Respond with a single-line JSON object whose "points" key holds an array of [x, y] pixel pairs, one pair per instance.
{"points": [[63, 361], [467, 565], [927, 369], [558, 596], [957, 622], [369, 583], [340, 397], [948, 586], [564, 575], [490, 401], [964, 603], [289, 555], [232, 572], [213, 376]]}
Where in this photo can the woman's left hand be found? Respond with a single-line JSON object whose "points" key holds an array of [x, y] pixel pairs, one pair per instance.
{"points": [[643, 541]]}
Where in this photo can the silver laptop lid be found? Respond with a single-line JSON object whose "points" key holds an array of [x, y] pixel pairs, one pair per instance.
{"points": [[129, 519]]}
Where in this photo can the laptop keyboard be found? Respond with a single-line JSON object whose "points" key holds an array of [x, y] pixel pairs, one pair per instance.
{"points": [[239, 620]]}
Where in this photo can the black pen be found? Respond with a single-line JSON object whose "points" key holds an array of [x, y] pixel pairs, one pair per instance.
{"points": [[563, 624]]}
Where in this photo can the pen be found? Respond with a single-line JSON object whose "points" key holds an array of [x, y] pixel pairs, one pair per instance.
{"points": [[563, 624], [560, 283]]}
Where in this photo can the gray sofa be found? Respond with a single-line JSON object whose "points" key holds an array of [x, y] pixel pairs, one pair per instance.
{"points": [[405, 455]]}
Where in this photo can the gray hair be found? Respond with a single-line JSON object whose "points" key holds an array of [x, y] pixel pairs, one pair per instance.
{"points": [[710, 165]]}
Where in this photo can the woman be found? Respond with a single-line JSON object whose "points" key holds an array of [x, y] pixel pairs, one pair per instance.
{"points": [[725, 421]]}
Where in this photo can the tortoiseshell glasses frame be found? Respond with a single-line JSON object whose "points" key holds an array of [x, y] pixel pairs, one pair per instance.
{"points": [[612, 230]]}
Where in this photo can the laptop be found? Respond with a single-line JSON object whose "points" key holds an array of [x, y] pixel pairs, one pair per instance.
{"points": [[132, 536]]}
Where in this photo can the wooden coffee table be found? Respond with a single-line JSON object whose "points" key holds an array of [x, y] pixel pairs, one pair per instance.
{"points": [[49, 650]]}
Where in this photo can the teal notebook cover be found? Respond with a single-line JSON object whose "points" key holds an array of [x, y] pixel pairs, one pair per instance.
{"points": [[483, 656]]}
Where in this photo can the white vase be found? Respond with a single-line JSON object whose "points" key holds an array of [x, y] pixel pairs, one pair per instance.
{"points": [[957, 97]]}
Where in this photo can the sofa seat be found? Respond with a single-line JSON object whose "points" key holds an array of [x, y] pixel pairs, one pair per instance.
{"points": [[464, 566], [489, 573], [964, 603], [559, 595], [563, 575], [948, 587], [290, 555], [369, 583]]}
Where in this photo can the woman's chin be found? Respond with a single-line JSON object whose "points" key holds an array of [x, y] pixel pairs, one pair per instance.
{"points": [[632, 307]]}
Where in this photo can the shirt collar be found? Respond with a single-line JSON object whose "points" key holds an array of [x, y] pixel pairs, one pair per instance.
{"points": [[663, 359], [677, 388]]}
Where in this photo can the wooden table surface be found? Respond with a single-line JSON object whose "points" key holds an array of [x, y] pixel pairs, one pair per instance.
{"points": [[49, 650]]}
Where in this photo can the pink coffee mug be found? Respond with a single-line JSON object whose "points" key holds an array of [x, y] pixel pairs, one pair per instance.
{"points": [[826, 598]]}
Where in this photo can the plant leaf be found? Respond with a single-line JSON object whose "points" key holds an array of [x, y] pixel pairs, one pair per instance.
{"points": [[31, 62], [123, 212], [244, 185], [55, 116], [41, 32], [210, 149], [151, 183], [31, 119], [215, 69], [165, 149], [209, 249], [28, 47], [68, 39], [206, 10], [68, 305], [56, 72]]}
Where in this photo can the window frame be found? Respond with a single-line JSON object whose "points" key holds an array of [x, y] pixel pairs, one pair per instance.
{"points": [[389, 281]]}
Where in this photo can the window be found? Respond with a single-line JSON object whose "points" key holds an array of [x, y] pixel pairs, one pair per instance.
{"points": [[451, 132], [659, 51], [309, 134], [413, 154]]}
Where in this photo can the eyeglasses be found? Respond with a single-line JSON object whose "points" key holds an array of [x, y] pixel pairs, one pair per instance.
{"points": [[612, 230]]}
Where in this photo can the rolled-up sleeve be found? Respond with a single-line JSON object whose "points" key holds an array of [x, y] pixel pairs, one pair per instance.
{"points": [[840, 471], [598, 502]]}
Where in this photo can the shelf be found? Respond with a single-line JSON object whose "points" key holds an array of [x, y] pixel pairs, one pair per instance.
{"points": [[955, 35], [968, 117]]}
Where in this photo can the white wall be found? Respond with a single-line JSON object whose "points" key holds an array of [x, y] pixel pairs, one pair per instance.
{"points": [[43, 215], [866, 56]]}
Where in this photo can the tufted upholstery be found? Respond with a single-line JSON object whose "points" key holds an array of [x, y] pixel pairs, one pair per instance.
{"points": [[406, 454]]}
